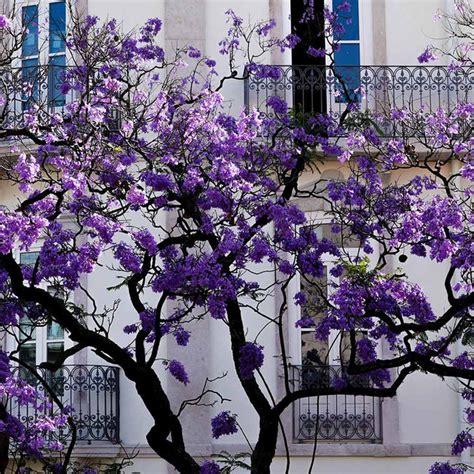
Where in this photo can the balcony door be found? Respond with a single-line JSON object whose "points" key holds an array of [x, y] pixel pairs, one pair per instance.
{"points": [[320, 362], [40, 338], [309, 90]]}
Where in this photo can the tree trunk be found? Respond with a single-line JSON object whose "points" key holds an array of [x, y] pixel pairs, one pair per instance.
{"points": [[264, 451], [4, 442]]}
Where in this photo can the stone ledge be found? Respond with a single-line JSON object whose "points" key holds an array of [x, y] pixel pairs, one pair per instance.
{"points": [[109, 450]]}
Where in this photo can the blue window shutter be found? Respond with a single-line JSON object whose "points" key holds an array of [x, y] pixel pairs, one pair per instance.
{"points": [[349, 20], [29, 74], [30, 22], [57, 65], [348, 54], [57, 27], [347, 59]]}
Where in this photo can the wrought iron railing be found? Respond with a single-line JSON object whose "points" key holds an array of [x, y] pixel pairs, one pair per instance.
{"points": [[92, 391], [334, 417], [42, 88], [376, 89]]}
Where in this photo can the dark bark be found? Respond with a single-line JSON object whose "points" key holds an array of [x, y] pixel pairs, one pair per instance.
{"points": [[147, 383], [4, 442], [264, 451]]}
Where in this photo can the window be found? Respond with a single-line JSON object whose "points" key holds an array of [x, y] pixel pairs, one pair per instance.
{"points": [[41, 338], [57, 53], [320, 363], [28, 258], [30, 57], [347, 57], [52, 61], [315, 352]]}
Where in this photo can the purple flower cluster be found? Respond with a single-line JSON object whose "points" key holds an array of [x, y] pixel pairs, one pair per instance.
{"points": [[210, 467], [178, 371], [464, 440], [445, 468], [427, 56], [223, 424], [127, 258], [250, 359], [278, 104]]}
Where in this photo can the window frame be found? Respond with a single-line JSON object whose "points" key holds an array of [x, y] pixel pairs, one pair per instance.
{"points": [[41, 332], [47, 70], [295, 311]]}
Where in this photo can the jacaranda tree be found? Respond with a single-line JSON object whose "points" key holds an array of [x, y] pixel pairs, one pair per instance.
{"points": [[143, 163]]}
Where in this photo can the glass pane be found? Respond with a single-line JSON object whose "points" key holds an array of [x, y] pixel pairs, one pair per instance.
{"points": [[27, 329], [55, 331], [313, 351], [30, 78], [55, 379], [347, 59], [28, 258], [27, 354], [57, 65], [315, 291], [57, 27], [349, 20], [345, 345], [342, 236], [54, 349], [30, 22]]}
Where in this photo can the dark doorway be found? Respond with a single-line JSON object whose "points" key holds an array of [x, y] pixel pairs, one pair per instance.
{"points": [[309, 75]]}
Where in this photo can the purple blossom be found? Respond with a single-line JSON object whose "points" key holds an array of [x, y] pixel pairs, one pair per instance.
{"points": [[464, 361], [146, 241], [427, 56], [316, 52], [250, 359], [210, 62], [223, 424], [178, 371], [182, 336], [210, 467], [136, 197], [278, 104], [445, 468], [127, 258], [463, 440], [130, 329], [194, 52], [4, 22], [305, 322], [292, 40]]}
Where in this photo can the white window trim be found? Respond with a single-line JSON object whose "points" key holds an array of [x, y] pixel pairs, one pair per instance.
{"points": [[294, 286]]}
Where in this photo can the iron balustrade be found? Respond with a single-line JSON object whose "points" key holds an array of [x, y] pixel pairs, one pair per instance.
{"points": [[92, 391], [334, 417], [41, 88], [377, 90]]}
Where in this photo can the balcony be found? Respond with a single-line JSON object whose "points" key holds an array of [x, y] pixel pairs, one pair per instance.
{"points": [[93, 393], [311, 90], [41, 87], [341, 418]]}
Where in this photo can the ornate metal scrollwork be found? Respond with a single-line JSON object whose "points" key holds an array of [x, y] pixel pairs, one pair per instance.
{"points": [[92, 391], [375, 89], [334, 417]]}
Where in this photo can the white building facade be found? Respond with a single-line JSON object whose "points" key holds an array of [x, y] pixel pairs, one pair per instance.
{"points": [[405, 434]]}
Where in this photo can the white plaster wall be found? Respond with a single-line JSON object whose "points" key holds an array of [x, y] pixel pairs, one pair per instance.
{"points": [[130, 13], [424, 417], [410, 27]]}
